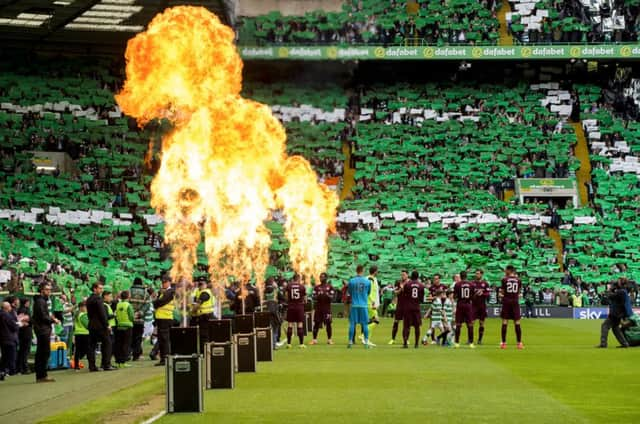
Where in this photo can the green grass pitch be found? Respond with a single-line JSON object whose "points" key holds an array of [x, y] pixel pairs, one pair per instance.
{"points": [[559, 378]]}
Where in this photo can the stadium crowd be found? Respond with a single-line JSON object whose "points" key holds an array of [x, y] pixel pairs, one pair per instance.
{"points": [[379, 22], [442, 22]]}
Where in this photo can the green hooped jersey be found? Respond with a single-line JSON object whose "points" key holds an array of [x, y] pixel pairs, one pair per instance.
{"points": [[633, 333]]}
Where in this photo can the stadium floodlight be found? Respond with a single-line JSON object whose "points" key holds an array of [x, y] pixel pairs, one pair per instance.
{"points": [[26, 20], [97, 27], [107, 14], [91, 20], [116, 8]]}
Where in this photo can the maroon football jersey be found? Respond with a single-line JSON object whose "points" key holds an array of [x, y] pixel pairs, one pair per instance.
{"points": [[511, 287], [413, 294], [402, 300], [296, 293], [481, 292], [433, 289], [323, 295], [463, 291]]}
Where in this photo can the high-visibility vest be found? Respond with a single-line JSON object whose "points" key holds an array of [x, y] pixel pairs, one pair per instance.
{"points": [[195, 294], [80, 329], [166, 311], [112, 321], [122, 315], [206, 308]]}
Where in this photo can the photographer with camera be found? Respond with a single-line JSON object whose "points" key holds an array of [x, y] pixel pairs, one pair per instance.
{"points": [[617, 297]]}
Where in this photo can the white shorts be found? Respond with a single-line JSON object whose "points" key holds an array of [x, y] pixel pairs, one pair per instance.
{"points": [[437, 324]]}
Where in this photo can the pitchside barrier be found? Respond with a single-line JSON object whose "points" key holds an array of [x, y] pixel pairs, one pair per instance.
{"points": [[493, 311]]}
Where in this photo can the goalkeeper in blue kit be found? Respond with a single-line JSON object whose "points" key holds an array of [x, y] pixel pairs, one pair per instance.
{"points": [[359, 289]]}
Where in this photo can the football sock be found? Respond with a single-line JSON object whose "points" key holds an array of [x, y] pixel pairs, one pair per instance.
{"points": [[458, 328], [504, 333], [371, 326], [301, 335], [518, 333], [352, 330], [470, 333], [405, 333], [480, 333], [444, 337], [316, 329], [417, 336], [289, 334], [365, 330], [394, 331], [329, 330]]}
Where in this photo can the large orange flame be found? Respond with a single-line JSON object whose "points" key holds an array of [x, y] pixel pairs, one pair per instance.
{"points": [[224, 166]]}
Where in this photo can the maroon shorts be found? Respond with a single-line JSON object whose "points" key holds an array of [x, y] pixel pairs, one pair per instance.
{"points": [[510, 310], [464, 313], [320, 317], [412, 318], [399, 314], [295, 313], [480, 312]]}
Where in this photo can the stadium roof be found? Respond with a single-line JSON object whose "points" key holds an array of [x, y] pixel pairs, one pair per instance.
{"points": [[84, 25]]}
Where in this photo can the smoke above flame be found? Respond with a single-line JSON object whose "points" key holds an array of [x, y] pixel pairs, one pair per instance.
{"points": [[224, 165]]}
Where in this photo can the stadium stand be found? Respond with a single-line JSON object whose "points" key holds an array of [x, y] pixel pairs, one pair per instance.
{"points": [[607, 249], [379, 22], [432, 164], [425, 196], [429, 120]]}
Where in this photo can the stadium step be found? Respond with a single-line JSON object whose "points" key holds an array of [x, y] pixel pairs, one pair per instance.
{"points": [[506, 39], [583, 174], [508, 194], [348, 178], [557, 239]]}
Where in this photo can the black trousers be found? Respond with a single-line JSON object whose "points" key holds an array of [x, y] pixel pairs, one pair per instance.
{"points": [[8, 360], [104, 338], [80, 348], [24, 347], [385, 306], [529, 311], [43, 352], [164, 327], [121, 347], [276, 320], [136, 340], [612, 323]]}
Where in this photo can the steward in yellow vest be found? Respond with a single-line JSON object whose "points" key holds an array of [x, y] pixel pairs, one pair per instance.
{"points": [[203, 301], [164, 307], [81, 335], [124, 327], [202, 310]]}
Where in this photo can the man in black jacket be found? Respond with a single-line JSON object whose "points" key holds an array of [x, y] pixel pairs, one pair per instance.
{"points": [[99, 330], [247, 298], [8, 337], [42, 321], [140, 302], [25, 334], [617, 312]]}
